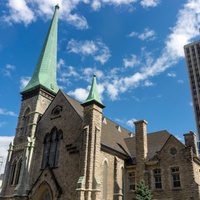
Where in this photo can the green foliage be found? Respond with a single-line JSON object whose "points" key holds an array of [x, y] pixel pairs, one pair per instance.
{"points": [[142, 192]]}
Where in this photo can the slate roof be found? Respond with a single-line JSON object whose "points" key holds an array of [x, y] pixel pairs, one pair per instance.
{"points": [[155, 141], [118, 138]]}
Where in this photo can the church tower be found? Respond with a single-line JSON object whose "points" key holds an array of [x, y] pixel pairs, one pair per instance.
{"points": [[89, 181], [36, 97]]}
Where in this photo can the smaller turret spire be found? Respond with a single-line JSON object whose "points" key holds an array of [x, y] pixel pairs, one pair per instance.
{"points": [[93, 94]]}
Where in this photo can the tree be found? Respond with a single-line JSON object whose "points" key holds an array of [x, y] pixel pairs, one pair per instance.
{"points": [[142, 192]]}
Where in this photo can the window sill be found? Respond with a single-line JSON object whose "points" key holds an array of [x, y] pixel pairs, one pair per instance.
{"points": [[178, 188], [131, 191], [158, 189]]}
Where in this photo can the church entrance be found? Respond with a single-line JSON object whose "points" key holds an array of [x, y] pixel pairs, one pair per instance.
{"points": [[43, 192]]}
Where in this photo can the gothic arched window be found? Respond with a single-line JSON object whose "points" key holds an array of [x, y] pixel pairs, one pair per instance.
{"points": [[26, 121], [58, 144], [19, 166], [122, 182], [105, 179], [15, 171], [51, 153]]}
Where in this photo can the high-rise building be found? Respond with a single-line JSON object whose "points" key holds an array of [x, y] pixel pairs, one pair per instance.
{"points": [[192, 55]]}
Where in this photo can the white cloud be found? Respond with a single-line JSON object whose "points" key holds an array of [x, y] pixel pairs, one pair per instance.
{"points": [[130, 122], [8, 69], [112, 91], [148, 35], [133, 34], [97, 49], [79, 21], [148, 83], [4, 146], [60, 63], [6, 112], [133, 61], [149, 3], [3, 124], [19, 12], [171, 74], [24, 81], [22, 11], [11, 67], [186, 26], [185, 29], [97, 4], [180, 81], [79, 93]]}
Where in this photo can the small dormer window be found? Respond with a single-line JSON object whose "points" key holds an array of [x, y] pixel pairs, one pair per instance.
{"points": [[119, 128], [104, 120]]}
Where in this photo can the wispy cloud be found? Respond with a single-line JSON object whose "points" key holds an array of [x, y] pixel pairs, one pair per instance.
{"points": [[97, 4], [8, 69], [148, 34], [79, 21], [149, 3], [26, 12], [171, 74], [6, 112], [97, 49], [19, 12], [24, 81], [65, 71], [180, 81], [188, 21], [3, 124], [130, 122], [131, 62]]}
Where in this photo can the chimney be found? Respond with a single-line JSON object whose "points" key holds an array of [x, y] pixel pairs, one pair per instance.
{"points": [[190, 141], [141, 149], [141, 140]]}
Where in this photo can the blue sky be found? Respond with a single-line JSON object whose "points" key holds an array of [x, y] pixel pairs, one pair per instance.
{"points": [[135, 47]]}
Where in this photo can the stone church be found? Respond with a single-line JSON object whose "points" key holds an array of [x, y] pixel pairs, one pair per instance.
{"points": [[67, 150]]}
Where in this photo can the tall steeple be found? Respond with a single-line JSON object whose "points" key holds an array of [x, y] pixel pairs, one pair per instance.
{"points": [[45, 72], [93, 95], [36, 97]]}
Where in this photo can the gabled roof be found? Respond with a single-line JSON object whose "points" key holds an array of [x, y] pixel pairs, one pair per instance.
{"points": [[118, 139], [111, 136], [155, 142]]}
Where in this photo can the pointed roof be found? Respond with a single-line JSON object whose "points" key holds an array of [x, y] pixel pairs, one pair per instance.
{"points": [[44, 75], [93, 95]]}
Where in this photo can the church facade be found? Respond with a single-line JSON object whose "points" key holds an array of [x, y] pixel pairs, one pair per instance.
{"points": [[67, 150]]}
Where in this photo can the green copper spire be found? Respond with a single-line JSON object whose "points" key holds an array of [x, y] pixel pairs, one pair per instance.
{"points": [[45, 72], [93, 95]]}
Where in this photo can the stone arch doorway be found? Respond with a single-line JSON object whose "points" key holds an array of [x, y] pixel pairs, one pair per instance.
{"points": [[43, 192]]}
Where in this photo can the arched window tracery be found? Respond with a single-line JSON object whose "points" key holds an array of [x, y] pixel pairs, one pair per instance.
{"points": [[52, 144], [105, 179], [26, 121], [15, 171]]}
